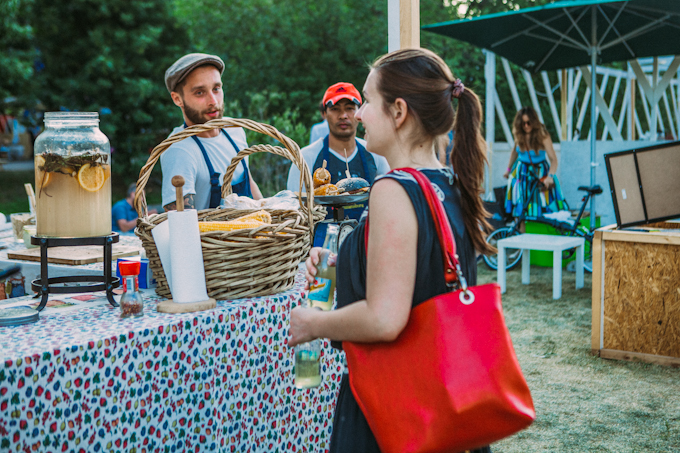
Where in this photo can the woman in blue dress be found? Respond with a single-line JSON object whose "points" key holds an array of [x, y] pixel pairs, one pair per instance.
{"points": [[532, 157]]}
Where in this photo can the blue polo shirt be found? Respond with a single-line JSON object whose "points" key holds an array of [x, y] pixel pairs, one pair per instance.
{"points": [[122, 210]]}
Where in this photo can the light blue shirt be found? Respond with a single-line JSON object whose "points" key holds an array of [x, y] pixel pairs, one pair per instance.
{"points": [[319, 130]]}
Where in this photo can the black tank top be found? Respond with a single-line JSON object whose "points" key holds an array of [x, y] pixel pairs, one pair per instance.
{"points": [[430, 282]]}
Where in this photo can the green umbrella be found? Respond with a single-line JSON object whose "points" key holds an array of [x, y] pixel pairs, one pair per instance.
{"points": [[572, 33]]}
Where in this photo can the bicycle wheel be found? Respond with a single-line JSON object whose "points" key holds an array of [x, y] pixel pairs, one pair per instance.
{"points": [[512, 256]]}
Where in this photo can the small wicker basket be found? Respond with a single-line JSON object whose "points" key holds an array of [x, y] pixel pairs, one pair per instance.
{"points": [[242, 263]]}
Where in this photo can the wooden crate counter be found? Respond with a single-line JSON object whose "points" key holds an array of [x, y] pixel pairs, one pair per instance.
{"points": [[636, 294]]}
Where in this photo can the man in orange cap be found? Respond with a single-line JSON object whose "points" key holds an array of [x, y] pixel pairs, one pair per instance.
{"points": [[341, 148]]}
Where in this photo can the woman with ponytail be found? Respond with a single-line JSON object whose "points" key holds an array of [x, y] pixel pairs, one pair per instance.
{"points": [[409, 103]]}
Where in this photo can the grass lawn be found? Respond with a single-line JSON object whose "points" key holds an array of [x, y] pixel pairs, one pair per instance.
{"points": [[13, 196], [583, 403]]}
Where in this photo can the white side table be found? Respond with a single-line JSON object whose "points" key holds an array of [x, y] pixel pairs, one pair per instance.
{"points": [[544, 242]]}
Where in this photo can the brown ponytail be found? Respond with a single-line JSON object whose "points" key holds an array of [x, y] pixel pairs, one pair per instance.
{"points": [[468, 158], [425, 82]]}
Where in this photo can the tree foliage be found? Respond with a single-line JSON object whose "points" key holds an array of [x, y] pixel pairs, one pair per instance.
{"points": [[467, 61], [280, 56], [17, 53], [110, 57], [296, 48], [473, 8], [299, 48]]}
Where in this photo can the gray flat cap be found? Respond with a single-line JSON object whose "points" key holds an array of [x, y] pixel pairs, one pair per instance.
{"points": [[182, 67]]}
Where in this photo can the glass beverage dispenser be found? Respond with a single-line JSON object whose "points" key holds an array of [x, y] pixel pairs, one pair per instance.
{"points": [[72, 177]]}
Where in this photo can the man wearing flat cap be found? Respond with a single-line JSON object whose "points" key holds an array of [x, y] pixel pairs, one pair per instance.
{"points": [[341, 149], [195, 85]]}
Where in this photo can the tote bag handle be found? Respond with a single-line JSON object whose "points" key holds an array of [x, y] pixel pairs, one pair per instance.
{"points": [[452, 270]]}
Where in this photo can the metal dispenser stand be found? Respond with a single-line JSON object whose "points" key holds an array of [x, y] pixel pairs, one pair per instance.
{"points": [[105, 282]]}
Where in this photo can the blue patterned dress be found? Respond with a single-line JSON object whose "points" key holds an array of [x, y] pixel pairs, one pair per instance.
{"points": [[528, 167]]}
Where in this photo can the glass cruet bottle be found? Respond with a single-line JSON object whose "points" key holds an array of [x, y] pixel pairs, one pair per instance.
{"points": [[131, 302]]}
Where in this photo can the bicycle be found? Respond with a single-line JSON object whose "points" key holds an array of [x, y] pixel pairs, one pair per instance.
{"points": [[564, 228]]}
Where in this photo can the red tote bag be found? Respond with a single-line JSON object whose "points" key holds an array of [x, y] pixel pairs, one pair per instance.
{"points": [[451, 381]]}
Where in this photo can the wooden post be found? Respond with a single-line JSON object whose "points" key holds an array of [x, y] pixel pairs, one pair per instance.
{"points": [[563, 105], [409, 23], [596, 291], [403, 24]]}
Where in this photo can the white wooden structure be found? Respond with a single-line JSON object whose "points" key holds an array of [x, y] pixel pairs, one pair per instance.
{"points": [[662, 93], [618, 105]]}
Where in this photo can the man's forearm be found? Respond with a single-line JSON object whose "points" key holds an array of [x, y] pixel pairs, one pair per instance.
{"points": [[188, 203], [255, 190], [126, 225]]}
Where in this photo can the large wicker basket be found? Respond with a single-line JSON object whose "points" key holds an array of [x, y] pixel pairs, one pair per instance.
{"points": [[241, 263]]}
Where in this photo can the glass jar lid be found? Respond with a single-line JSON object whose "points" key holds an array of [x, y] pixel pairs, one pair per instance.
{"points": [[72, 118]]}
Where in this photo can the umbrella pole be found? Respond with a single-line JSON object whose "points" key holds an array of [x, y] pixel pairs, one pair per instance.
{"points": [[593, 113]]}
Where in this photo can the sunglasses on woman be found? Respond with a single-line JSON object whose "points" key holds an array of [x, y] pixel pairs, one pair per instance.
{"points": [[526, 123]]}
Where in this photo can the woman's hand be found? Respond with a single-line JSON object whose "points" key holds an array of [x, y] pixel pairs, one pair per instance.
{"points": [[300, 325], [391, 277], [548, 182], [315, 255], [506, 174]]}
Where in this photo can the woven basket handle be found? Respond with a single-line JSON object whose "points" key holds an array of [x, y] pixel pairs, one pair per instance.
{"points": [[305, 174], [293, 153]]}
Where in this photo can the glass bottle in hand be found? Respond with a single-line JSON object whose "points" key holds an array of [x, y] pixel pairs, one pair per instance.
{"points": [[322, 291], [307, 361]]}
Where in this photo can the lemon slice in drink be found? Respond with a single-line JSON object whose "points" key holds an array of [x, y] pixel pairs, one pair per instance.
{"points": [[42, 179], [91, 178]]}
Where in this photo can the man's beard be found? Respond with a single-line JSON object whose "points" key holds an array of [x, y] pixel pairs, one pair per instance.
{"points": [[196, 116]]}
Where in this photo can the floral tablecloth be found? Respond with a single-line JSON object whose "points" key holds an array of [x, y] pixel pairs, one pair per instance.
{"points": [[220, 380]]}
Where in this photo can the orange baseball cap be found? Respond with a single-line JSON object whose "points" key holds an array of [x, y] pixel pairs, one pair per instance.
{"points": [[341, 90]]}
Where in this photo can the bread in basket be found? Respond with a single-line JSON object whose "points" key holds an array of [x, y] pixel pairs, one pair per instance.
{"points": [[246, 262]]}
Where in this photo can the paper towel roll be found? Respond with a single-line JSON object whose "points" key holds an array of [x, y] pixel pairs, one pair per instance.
{"points": [[161, 237], [186, 257]]}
